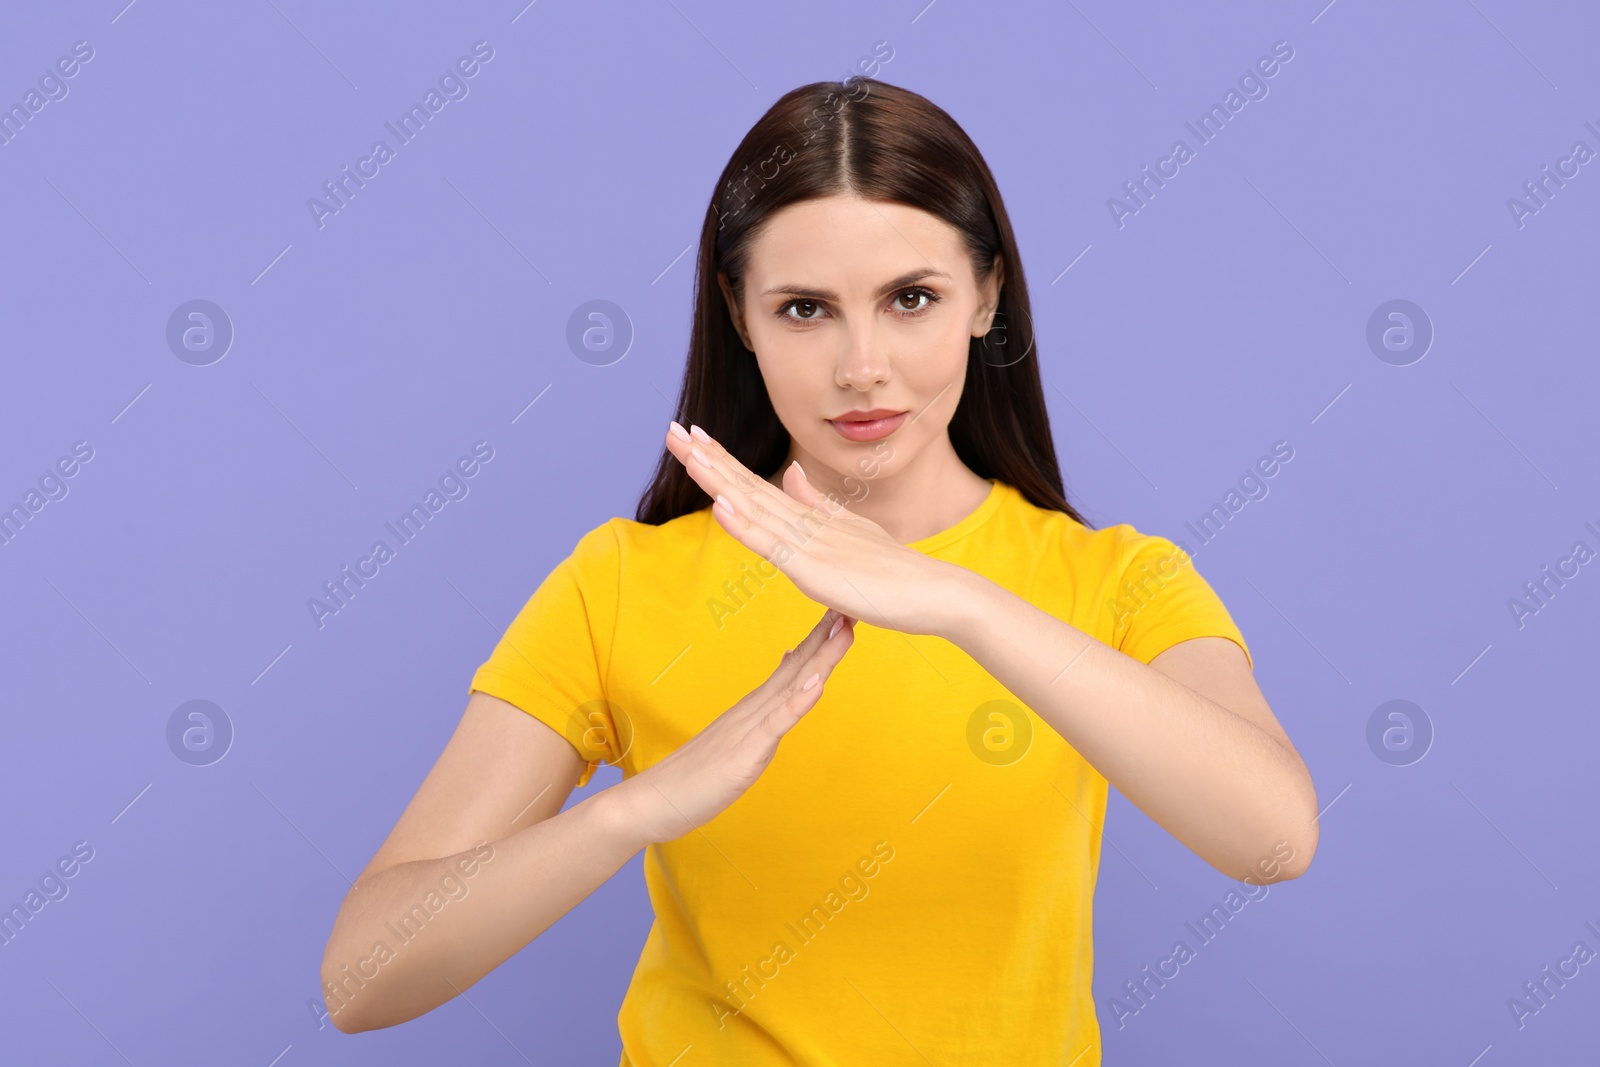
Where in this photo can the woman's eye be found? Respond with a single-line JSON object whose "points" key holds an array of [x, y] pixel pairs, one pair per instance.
{"points": [[927, 298], [907, 304]]}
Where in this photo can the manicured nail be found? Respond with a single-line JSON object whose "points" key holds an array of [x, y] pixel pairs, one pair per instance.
{"points": [[704, 459], [726, 505], [679, 432], [802, 470], [836, 624], [699, 434], [811, 682]]}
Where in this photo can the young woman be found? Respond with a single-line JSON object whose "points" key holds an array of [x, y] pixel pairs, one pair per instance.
{"points": [[865, 670]]}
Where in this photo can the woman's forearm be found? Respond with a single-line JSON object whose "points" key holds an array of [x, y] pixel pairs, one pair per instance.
{"points": [[1217, 782], [410, 937]]}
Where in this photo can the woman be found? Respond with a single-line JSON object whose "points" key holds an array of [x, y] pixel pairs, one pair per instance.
{"points": [[907, 874]]}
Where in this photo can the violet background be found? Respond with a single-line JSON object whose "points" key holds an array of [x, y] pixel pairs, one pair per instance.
{"points": [[1228, 314]]}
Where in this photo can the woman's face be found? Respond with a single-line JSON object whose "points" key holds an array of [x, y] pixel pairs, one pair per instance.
{"points": [[855, 306]]}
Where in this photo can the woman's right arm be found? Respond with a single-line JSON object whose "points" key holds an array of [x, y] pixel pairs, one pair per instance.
{"points": [[539, 863], [484, 840]]}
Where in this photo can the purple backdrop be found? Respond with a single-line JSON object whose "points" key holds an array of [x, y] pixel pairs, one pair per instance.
{"points": [[230, 463]]}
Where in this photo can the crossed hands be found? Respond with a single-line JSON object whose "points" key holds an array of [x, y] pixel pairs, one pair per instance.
{"points": [[836, 558]]}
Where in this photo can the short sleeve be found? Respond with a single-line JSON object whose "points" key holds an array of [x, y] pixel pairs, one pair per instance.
{"points": [[553, 660], [1161, 599]]}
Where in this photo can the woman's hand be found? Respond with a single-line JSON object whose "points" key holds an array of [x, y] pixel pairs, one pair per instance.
{"points": [[712, 769], [832, 555]]}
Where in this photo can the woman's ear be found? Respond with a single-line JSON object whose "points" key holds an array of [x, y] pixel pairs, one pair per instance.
{"points": [[989, 298], [734, 310]]}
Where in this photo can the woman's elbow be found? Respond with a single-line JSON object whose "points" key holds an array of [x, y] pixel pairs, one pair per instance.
{"points": [[345, 993]]}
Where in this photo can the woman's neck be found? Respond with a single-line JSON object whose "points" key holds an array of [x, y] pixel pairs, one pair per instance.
{"points": [[927, 497]]}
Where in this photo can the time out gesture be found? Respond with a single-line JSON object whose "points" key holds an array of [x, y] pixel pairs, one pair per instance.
{"points": [[1140, 725], [834, 556]]}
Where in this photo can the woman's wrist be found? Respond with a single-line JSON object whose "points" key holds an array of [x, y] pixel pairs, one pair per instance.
{"points": [[958, 598], [616, 817]]}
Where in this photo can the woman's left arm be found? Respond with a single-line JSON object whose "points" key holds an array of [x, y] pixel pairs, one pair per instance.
{"points": [[1189, 739]]}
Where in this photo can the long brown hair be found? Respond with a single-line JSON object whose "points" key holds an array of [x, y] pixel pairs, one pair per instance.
{"points": [[880, 141]]}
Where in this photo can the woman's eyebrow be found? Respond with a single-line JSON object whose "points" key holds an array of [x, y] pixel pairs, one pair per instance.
{"points": [[903, 282]]}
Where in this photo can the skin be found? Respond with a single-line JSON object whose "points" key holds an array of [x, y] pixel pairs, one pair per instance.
{"points": [[869, 349], [1189, 738]]}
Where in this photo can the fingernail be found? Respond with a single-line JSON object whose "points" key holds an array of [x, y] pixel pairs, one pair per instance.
{"points": [[836, 624], [802, 470], [679, 432], [811, 682], [726, 504], [699, 455], [699, 434]]}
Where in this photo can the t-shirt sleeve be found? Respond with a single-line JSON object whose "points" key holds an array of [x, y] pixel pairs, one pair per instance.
{"points": [[553, 660], [1160, 599]]}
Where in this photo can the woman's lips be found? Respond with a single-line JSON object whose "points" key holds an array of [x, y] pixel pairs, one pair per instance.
{"points": [[870, 430]]}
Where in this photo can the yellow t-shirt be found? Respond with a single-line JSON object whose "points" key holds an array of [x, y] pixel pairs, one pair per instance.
{"points": [[912, 877]]}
